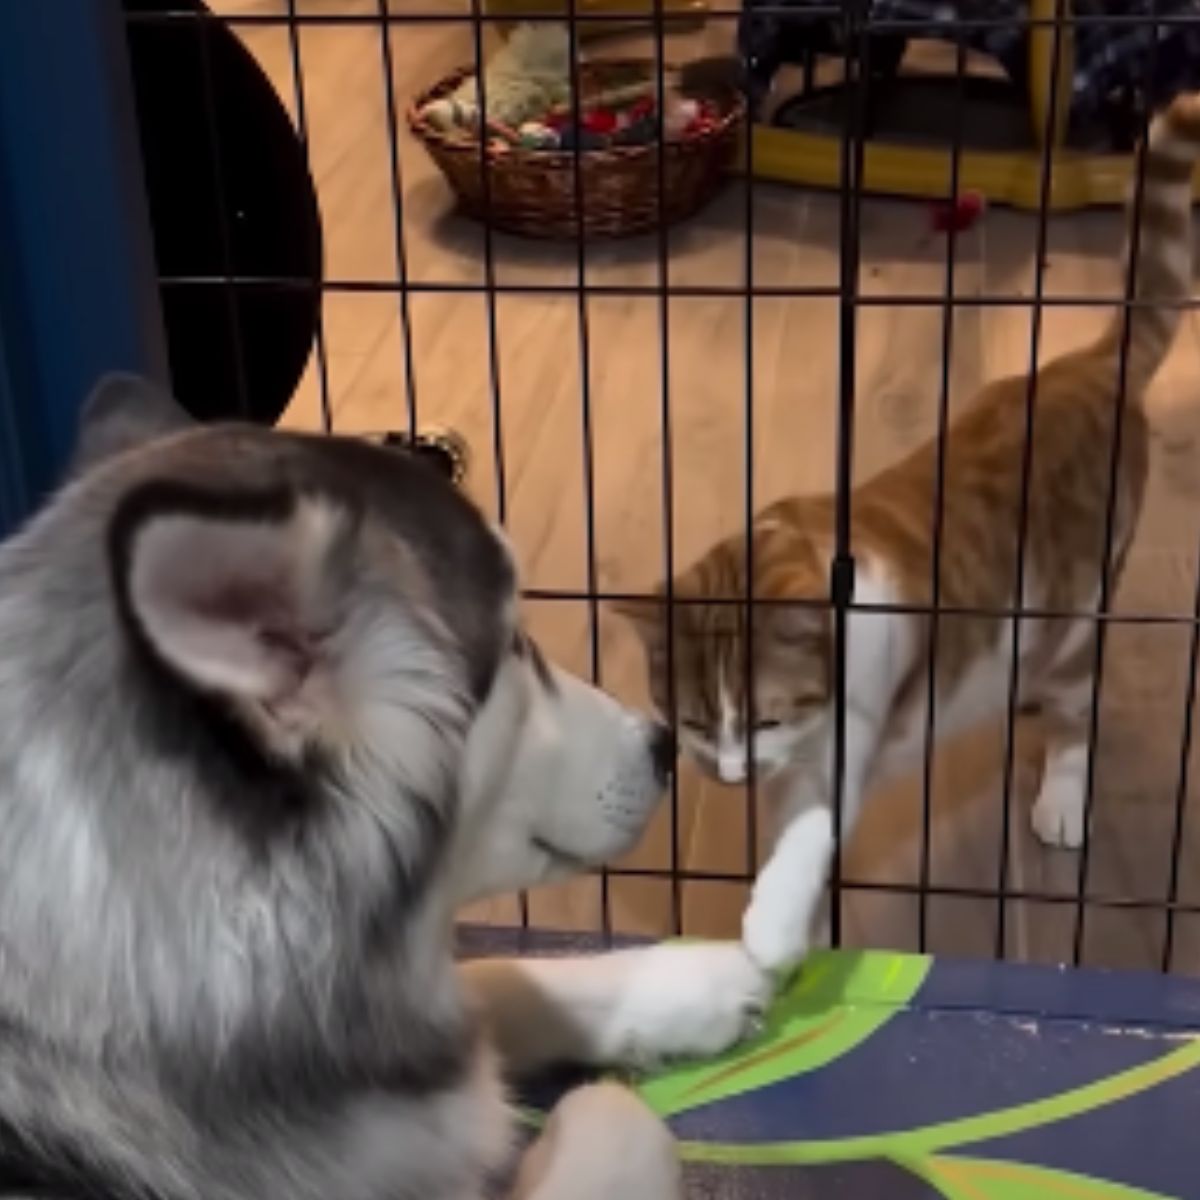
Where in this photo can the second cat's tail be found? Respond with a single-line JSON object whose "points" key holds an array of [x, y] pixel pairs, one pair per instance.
{"points": [[1163, 272]]}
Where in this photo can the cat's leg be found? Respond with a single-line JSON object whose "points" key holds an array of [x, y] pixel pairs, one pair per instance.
{"points": [[781, 922], [779, 925], [1060, 810], [601, 1142]]}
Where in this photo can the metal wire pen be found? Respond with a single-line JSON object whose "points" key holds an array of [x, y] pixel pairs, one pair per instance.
{"points": [[858, 32]]}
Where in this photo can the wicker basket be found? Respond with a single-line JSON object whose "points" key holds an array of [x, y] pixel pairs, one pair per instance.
{"points": [[533, 192]]}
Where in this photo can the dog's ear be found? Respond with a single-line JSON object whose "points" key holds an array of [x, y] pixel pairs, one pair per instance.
{"points": [[124, 411], [239, 596]]}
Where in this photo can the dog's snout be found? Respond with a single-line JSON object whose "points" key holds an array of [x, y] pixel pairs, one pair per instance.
{"points": [[662, 750]]}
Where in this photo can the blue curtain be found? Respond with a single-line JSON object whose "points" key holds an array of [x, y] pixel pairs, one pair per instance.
{"points": [[78, 295]]}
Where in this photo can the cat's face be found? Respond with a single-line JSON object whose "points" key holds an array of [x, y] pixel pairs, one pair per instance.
{"points": [[719, 720]]}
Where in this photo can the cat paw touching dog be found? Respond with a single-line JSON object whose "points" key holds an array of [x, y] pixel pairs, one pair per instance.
{"points": [[785, 715]]}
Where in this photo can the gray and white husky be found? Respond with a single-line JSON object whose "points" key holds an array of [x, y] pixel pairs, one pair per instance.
{"points": [[267, 718]]}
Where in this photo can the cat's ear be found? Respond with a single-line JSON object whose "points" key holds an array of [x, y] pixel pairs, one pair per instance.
{"points": [[647, 615], [793, 624]]}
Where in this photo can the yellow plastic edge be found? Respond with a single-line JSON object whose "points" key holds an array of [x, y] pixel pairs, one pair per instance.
{"points": [[1041, 69], [1077, 180], [633, 8]]}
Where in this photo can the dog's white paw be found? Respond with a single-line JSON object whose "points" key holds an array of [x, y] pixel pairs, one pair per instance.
{"points": [[687, 1000], [1058, 815]]}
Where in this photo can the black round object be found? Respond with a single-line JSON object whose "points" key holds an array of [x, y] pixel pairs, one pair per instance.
{"points": [[230, 194]]}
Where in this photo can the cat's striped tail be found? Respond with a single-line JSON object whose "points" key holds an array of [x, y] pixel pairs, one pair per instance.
{"points": [[1163, 273]]}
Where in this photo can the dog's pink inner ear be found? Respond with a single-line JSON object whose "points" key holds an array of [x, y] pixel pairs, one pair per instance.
{"points": [[234, 605]]}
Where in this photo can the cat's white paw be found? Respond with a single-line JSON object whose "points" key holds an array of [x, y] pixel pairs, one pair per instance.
{"points": [[777, 928], [775, 936], [687, 1000], [1059, 812]]}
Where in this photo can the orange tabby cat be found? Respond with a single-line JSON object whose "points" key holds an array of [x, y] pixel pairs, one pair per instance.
{"points": [[887, 652]]}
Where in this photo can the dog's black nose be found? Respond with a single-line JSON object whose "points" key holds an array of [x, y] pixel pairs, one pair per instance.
{"points": [[662, 751]]}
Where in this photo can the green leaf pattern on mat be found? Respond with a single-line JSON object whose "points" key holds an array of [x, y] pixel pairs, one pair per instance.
{"points": [[983, 1179], [912, 1145], [839, 1001], [836, 1003]]}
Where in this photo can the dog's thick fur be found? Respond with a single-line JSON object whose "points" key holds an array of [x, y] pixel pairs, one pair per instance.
{"points": [[266, 719]]}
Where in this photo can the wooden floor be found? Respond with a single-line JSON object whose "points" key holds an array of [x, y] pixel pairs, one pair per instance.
{"points": [[706, 353]]}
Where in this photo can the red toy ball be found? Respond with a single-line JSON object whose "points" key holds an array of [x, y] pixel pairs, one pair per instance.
{"points": [[959, 215], [600, 121]]}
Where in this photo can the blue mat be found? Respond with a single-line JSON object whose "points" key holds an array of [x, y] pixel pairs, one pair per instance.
{"points": [[886, 1076]]}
